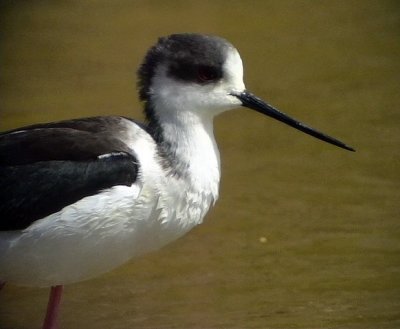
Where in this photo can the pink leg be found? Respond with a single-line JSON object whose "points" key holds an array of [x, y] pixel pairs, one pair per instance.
{"points": [[50, 322]]}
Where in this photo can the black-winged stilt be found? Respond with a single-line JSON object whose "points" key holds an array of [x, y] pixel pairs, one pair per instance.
{"points": [[81, 197]]}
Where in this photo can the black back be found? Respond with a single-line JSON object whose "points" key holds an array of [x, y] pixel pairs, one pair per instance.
{"points": [[44, 168]]}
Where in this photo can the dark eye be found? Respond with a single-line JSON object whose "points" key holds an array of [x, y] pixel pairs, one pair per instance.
{"points": [[206, 74]]}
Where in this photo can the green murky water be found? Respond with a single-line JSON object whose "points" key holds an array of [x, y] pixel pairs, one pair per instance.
{"points": [[304, 235]]}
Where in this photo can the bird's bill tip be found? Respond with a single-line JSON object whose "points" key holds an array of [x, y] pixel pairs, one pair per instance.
{"points": [[253, 102]]}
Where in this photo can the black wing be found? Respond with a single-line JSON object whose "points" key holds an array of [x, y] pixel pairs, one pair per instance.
{"points": [[44, 168]]}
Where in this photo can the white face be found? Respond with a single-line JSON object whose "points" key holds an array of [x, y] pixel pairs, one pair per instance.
{"points": [[210, 99]]}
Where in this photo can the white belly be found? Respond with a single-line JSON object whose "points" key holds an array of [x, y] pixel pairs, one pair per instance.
{"points": [[97, 234]]}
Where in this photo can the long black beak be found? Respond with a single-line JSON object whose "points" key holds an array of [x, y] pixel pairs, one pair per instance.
{"points": [[253, 102]]}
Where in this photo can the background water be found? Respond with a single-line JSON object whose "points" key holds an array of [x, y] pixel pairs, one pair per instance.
{"points": [[305, 235]]}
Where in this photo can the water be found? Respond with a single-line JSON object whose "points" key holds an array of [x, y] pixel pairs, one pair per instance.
{"points": [[304, 235]]}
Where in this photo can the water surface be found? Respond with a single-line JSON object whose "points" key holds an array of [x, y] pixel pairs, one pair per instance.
{"points": [[304, 235]]}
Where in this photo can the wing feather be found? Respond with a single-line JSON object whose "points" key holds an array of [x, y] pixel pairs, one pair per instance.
{"points": [[44, 168]]}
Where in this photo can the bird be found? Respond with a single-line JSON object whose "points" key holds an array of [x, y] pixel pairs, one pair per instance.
{"points": [[83, 196]]}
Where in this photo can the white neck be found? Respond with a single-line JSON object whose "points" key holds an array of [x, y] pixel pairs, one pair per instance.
{"points": [[188, 138], [182, 114]]}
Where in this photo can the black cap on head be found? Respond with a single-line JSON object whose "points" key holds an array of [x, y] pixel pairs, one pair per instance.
{"points": [[189, 57]]}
